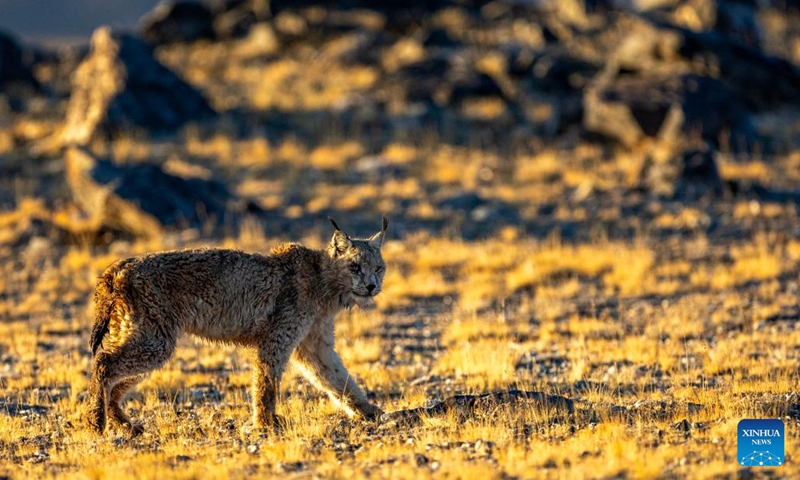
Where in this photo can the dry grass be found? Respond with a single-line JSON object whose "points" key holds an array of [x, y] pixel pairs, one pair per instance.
{"points": [[648, 321], [712, 356]]}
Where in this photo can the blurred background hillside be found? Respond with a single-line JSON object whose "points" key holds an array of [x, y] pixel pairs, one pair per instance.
{"points": [[467, 116]]}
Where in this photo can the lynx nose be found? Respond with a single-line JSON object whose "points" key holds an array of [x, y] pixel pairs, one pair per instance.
{"points": [[371, 287]]}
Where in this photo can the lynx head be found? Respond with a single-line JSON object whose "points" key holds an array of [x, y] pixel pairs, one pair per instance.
{"points": [[363, 261]]}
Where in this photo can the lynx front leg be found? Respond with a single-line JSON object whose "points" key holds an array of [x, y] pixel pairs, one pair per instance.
{"points": [[323, 367]]}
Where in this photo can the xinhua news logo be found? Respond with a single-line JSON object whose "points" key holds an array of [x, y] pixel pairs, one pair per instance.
{"points": [[761, 443]]}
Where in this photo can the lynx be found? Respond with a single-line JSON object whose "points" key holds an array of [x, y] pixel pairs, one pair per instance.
{"points": [[280, 305]]}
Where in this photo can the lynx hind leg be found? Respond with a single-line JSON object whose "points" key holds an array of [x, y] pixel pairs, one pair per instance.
{"points": [[139, 354], [96, 414], [116, 413], [271, 361]]}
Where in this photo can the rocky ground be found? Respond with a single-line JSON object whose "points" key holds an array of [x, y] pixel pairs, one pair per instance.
{"points": [[594, 221]]}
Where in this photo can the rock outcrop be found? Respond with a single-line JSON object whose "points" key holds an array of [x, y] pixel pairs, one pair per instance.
{"points": [[15, 74], [142, 200], [629, 108], [621, 69], [121, 87], [189, 21]]}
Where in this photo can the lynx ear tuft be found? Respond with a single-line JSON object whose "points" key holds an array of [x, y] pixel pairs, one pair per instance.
{"points": [[377, 240], [340, 241]]}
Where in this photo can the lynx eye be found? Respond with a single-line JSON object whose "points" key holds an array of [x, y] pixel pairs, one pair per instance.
{"points": [[378, 269], [355, 267]]}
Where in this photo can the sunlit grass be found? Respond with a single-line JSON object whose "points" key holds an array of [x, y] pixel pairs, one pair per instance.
{"points": [[642, 332], [481, 345]]}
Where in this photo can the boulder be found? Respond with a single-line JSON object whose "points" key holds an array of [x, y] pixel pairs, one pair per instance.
{"points": [[188, 21], [761, 81], [628, 108], [92, 185], [120, 86], [143, 199], [699, 176], [764, 82], [178, 22], [695, 15], [402, 16], [15, 74], [686, 176], [556, 71], [436, 81], [738, 23], [710, 80], [235, 23]]}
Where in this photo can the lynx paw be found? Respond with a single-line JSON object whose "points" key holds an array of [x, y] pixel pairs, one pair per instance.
{"points": [[371, 412], [96, 419], [134, 429], [273, 424]]}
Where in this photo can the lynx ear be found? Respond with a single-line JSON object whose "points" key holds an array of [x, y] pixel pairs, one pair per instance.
{"points": [[340, 241], [377, 240]]}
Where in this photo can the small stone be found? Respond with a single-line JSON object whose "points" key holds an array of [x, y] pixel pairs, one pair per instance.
{"points": [[483, 448], [683, 426]]}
